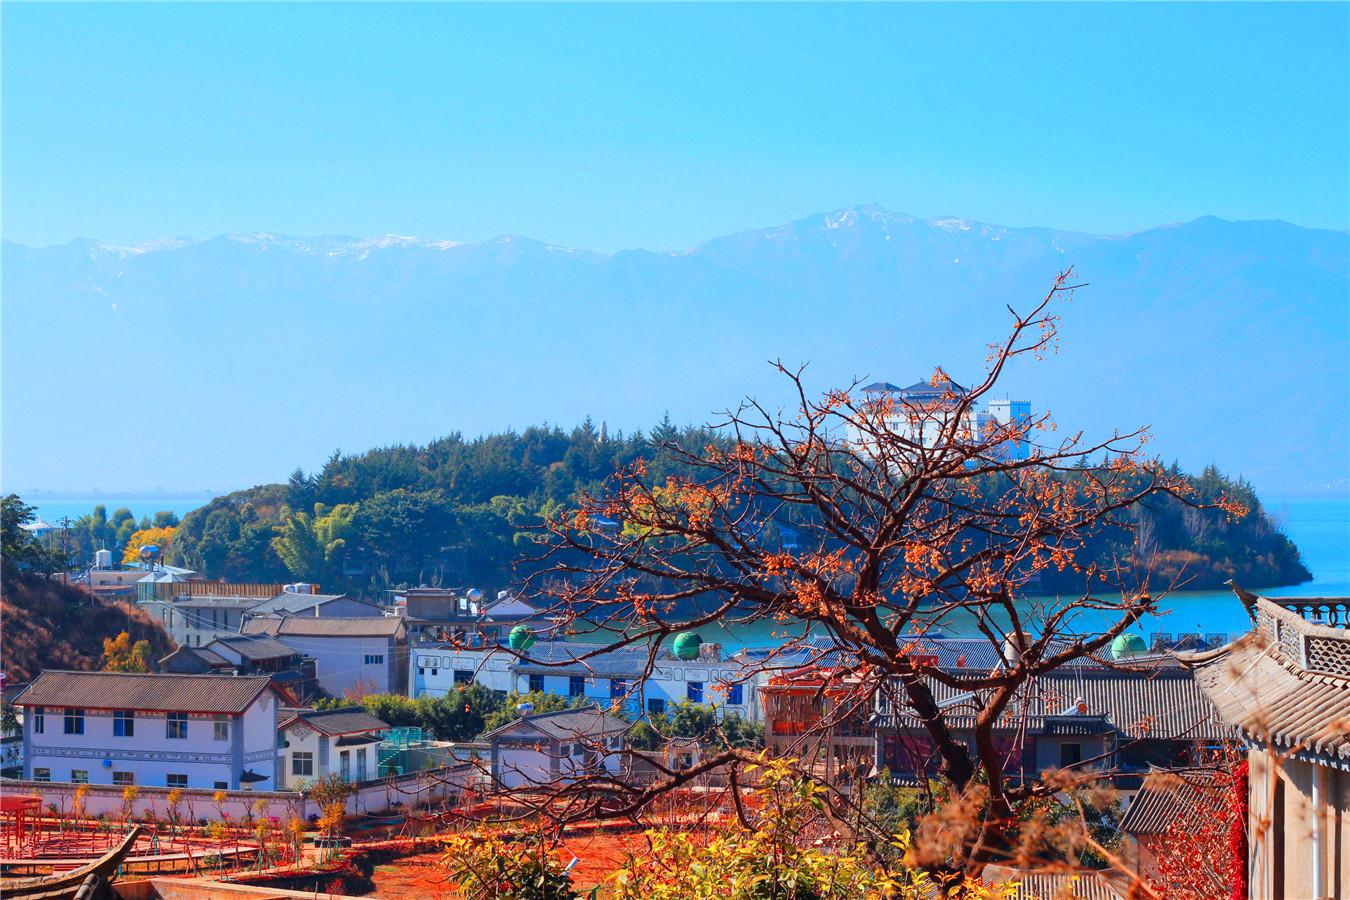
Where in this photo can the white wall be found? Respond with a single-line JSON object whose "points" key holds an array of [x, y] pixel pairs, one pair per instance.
{"points": [[437, 665], [149, 755], [339, 662]]}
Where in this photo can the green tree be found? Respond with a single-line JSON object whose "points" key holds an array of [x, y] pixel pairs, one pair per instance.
{"points": [[18, 549], [312, 546]]}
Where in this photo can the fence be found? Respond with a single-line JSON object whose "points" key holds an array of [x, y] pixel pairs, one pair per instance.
{"points": [[377, 797]]}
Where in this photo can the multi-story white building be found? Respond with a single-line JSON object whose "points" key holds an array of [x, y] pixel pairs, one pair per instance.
{"points": [[555, 667], [368, 654], [923, 412], [189, 731]]}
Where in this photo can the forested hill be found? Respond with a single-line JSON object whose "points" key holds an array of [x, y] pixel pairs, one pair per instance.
{"points": [[453, 512]]}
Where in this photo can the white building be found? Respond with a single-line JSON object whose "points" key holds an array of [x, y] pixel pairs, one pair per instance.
{"points": [[190, 731], [923, 412], [196, 620], [556, 747], [316, 743], [368, 654], [556, 667]]}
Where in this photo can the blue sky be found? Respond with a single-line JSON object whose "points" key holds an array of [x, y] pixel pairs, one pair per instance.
{"points": [[612, 126]]}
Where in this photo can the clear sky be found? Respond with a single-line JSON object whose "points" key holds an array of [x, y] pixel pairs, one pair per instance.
{"points": [[618, 125]]}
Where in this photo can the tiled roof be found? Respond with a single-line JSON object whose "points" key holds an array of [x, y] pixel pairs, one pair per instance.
{"points": [[1162, 704], [560, 658], [149, 693], [209, 657], [1171, 796], [291, 602], [1271, 700], [305, 626], [880, 387], [254, 646], [215, 601], [343, 720], [1083, 885], [569, 724]]}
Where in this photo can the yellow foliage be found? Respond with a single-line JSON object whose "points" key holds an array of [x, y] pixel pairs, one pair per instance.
{"points": [[162, 537]]}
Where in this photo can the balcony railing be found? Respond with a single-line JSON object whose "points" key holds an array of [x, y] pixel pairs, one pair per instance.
{"points": [[1302, 640]]}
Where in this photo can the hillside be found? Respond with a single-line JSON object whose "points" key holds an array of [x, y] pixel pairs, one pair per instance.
{"points": [[406, 339], [52, 626], [456, 511]]}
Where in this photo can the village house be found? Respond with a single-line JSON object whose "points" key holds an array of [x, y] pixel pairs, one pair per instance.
{"points": [[624, 673], [1284, 690], [1084, 715], [313, 744], [556, 747], [187, 731], [367, 654]]}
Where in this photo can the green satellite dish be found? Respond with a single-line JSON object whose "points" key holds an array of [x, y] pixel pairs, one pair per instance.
{"points": [[1128, 645], [687, 644], [522, 638]]}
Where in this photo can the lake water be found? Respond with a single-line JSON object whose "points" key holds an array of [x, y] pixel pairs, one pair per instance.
{"points": [[54, 510], [1319, 528]]}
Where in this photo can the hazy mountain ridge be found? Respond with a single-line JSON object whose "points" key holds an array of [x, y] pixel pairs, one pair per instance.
{"points": [[1204, 330]]}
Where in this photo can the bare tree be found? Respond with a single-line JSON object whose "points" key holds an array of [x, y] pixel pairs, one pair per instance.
{"points": [[910, 512]]}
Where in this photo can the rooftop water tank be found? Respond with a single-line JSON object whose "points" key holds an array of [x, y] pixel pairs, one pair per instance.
{"points": [[522, 638], [524, 708], [1127, 645], [103, 559], [687, 644]]}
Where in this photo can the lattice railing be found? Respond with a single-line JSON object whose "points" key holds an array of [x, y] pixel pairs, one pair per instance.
{"points": [[1312, 646]]}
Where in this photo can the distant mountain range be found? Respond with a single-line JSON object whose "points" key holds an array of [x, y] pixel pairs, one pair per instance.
{"points": [[231, 360]]}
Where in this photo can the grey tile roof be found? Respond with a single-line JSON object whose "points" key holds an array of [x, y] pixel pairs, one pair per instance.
{"points": [[1162, 704], [289, 602], [306, 626], [254, 646], [343, 720], [1171, 796], [1081, 885], [1270, 700], [216, 601], [568, 724], [560, 658], [209, 657], [149, 693]]}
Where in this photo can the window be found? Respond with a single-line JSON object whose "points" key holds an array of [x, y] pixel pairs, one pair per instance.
{"points": [[42, 774], [345, 764], [618, 687], [361, 764], [694, 692], [222, 724], [176, 726], [735, 695], [1070, 754], [124, 723], [79, 776], [421, 671], [463, 676], [74, 721], [656, 706], [576, 686], [222, 785], [302, 763], [175, 781], [39, 720], [536, 684], [124, 778], [435, 672], [374, 659]]}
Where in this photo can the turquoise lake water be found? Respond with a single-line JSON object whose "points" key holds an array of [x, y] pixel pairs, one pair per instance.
{"points": [[1319, 528]]}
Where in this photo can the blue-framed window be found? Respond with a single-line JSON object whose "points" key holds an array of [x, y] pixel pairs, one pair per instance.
{"points": [[124, 723], [736, 695], [694, 692], [576, 686]]}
